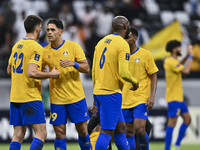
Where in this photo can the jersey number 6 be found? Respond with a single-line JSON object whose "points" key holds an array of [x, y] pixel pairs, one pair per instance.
{"points": [[103, 58]]}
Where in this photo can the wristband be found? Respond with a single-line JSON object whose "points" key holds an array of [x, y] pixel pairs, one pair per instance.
{"points": [[76, 65], [190, 57]]}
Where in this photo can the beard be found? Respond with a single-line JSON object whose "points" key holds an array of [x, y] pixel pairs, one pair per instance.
{"points": [[178, 53], [127, 33]]}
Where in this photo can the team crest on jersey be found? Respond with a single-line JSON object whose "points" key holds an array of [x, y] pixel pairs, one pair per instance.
{"points": [[137, 60], [65, 53], [49, 56]]}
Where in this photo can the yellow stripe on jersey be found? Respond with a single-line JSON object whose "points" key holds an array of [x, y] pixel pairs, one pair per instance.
{"points": [[108, 52], [67, 88], [141, 65], [25, 89], [173, 76]]}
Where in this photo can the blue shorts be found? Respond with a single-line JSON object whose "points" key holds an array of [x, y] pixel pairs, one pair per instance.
{"points": [[77, 112], [27, 113], [137, 112], [109, 109], [176, 108]]}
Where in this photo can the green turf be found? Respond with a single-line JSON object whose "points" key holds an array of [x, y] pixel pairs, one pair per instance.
{"points": [[75, 146]]}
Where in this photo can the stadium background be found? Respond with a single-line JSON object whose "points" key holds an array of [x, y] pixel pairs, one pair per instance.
{"points": [[158, 21]]}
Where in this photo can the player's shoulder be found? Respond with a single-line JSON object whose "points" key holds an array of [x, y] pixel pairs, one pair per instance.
{"points": [[46, 48]]}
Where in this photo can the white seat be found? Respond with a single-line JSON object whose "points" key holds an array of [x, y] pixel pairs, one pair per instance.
{"points": [[167, 17], [182, 17], [152, 7]]}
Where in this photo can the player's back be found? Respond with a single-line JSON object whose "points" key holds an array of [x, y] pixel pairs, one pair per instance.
{"points": [[24, 89], [108, 52], [173, 76]]}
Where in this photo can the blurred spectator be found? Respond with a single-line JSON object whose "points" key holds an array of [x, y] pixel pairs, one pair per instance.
{"points": [[18, 27], [102, 28], [66, 14], [5, 36], [143, 34], [195, 68], [195, 34]]}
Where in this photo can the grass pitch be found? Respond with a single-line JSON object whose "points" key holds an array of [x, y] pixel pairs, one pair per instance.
{"points": [[75, 146]]}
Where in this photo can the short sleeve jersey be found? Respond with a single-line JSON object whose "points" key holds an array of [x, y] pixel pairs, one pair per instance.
{"points": [[67, 89], [108, 52], [23, 88], [173, 76], [141, 66]]}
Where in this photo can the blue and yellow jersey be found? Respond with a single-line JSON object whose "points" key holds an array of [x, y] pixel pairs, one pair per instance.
{"points": [[23, 88], [141, 65], [108, 52], [67, 88], [173, 76]]}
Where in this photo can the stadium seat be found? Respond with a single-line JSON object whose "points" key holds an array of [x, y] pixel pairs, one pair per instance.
{"points": [[152, 7], [182, 17], [167, 17]]}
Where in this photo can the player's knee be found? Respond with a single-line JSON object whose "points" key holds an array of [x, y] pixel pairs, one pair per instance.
{"points": [[129, 132], [187, 120], [83, 132], [140, 132]]}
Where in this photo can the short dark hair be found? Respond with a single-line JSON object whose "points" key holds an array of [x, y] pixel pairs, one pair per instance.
{"points": [[172, 44], [57, 22], [31, 22], [134, 31]]}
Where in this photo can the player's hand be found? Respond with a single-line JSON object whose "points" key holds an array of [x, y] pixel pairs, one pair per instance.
{"points": [[94, 108], [150, 104], [189, 50], [55, 73], [44, 69], [135, 87], [66, 63]]}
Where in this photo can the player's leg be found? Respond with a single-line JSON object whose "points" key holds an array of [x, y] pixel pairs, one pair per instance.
{"points": [[140, 114], [78, 113], [33, 114], [120, 136], [173, 113], [18, 136], [60, 140], [58, 118], [40, 136], [186, 121], [130, 133], [109, 107], [19, 129]]}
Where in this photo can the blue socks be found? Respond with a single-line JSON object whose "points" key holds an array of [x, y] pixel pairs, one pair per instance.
{"points": [[144, 142], [181, 134], [15, 146], [84, 142], [36, 144], [121, 141], [168, 137], [60, 144], [131, 142], [102, 141]]}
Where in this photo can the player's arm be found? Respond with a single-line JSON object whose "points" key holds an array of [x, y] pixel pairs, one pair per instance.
{"points": [[82, 66], [186, 69], [153, 78], [33, 72], [9, 69], [188, 54], [93, 69], [126, 75]]}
